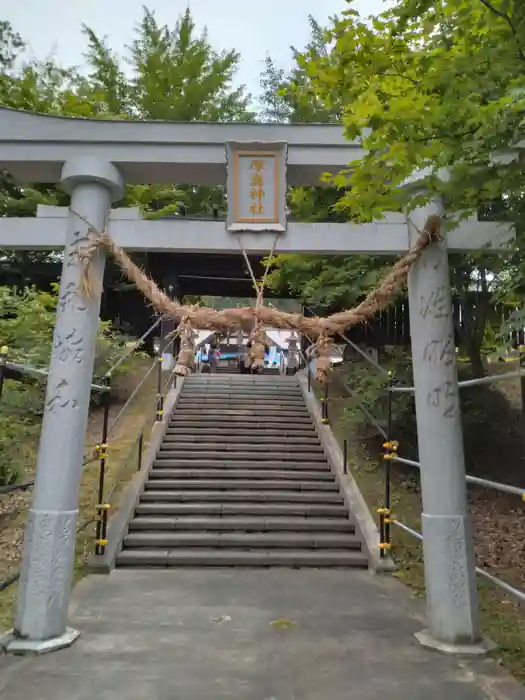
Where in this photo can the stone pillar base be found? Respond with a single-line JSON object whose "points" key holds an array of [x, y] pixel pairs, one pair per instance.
{"points": [[450, 577], [12, 644], [482, 648]]}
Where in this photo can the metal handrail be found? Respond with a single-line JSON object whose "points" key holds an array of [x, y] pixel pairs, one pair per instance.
{"points": [[103, 497], [391, 455], [492, 379], [482, 572], [42, 373], [367, 413], [476, 480], [17, 487], [132, 349], [132, 397], [386, 518]]}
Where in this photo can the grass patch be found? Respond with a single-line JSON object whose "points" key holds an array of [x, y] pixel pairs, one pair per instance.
{"points": [[121, 464], [502, 616]]}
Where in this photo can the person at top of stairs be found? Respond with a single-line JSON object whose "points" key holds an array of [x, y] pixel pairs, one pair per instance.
{"points": [[213, 357]]}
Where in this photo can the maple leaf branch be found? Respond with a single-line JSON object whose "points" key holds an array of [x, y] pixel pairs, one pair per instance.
{"points": [[508, 19]]}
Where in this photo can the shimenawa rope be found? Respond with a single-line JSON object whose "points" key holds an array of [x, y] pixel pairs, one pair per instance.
{"points": [[248, 318]]}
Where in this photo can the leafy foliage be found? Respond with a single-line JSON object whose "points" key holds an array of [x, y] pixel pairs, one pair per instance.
{"points": [[328, 283], [27, 320], [333, 282], [427, 86], [368, 389]]}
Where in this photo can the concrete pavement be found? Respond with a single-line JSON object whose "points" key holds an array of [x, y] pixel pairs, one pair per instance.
{"points": [[248, 635]]}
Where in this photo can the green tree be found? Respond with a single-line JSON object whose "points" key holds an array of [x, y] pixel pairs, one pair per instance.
{"points": [[427, 85], [424, 85], [171, 73], [287, 96], [175, 75], [329, 283]]}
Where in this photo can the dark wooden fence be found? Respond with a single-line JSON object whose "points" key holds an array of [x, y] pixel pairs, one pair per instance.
{"points": [[392, 326]]}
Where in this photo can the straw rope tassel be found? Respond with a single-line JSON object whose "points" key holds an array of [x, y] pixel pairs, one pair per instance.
{"points": [[258, 337], [185, 364]]}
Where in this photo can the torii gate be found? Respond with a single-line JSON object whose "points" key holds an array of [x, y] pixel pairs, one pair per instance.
{"points": [[93, 160]]}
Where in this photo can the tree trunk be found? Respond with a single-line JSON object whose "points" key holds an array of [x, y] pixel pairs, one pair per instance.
{"points": [[475, 306], [473, 350]]}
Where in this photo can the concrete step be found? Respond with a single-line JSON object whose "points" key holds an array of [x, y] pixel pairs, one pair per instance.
{"points": [[246, 405], [234, 417], [248, 378], [252, 411], [220, 370], [296, 470], [179, 422], [245, 446], [271, 390], [243, 540], [242, 393], [242, 436], [306, 510], [238, 472], [250, 496], [268, 484], [248, 385], [193, 398], [261, 457], [254, 402], [251, 558], [213, 523], [242, 397]]}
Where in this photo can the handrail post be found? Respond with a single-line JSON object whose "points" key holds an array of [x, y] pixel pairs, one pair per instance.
{"points": [[140, 450], [388, 467], [345, 456], [3, 360], [160, 395], [390, 450], [102, 451], [522, 387]]}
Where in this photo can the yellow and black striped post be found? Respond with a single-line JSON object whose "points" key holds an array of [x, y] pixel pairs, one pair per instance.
{"points": [[324, 405], [160, 396], [102, 453], [4, 350]]}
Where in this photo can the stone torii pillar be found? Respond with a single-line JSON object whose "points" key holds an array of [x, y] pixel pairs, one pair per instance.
{"points": [[50, 535], [450, 576]]}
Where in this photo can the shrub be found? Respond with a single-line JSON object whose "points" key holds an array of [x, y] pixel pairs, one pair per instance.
{"points": [[27, 320]]}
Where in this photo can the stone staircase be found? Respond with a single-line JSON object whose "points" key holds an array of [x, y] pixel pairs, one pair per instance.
{"points": [[241, 479]]}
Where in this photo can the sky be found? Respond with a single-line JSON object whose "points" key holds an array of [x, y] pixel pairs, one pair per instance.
{"points": [[252, 27]]}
